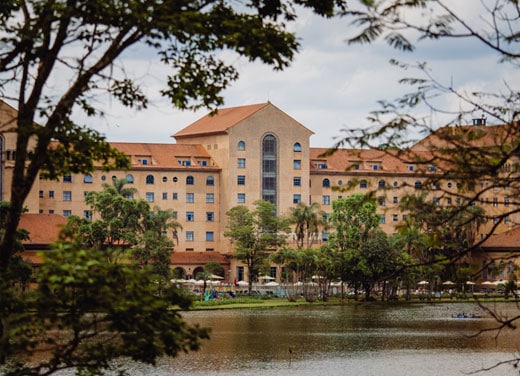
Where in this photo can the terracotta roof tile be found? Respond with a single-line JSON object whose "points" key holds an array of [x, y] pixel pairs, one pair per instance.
{"points": [[467, 136], [198, 258], [164, 155], [221, 121], [509, 240], [43, 229]]}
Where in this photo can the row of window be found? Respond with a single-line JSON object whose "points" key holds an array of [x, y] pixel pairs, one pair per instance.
{"points": [[150, 179], [297, 147]]}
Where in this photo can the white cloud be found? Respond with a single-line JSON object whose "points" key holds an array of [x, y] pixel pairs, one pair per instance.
{"points": [[331, 85]]}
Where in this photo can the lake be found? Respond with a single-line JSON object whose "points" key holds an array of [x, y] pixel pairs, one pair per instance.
{"points": [[353, 339]]}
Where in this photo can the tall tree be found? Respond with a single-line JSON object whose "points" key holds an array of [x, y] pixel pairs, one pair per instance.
{"points": [[353, 218], [308, 220], [255, 234], [57, 56], [476, 159]]}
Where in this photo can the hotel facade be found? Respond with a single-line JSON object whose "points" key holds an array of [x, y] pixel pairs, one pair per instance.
{"points": [[236, 157]]}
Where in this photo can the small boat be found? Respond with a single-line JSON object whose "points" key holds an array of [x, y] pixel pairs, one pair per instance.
{"points": [[465, 316]]}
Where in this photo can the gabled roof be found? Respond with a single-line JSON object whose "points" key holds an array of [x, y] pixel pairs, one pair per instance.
{"points": [[345, 159], [468, 136], [506, 241], [44, 229], [198, 258], [220, 121], [162, 155]]}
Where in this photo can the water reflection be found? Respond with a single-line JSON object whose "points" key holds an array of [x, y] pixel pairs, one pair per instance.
{"points": [[346, 340]]}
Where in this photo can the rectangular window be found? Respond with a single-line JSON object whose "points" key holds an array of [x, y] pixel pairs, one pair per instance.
{"points": [[175, 196], [381, 201], [383, 218], [67, 178], [210, 198], [209, 236], [506, 201], [210, 216], [395, 217], [41, 194], [241, 163], [67, 213], [241, 180], [190, 236], [325, 200], [87, 214], [175, 215], [297, 181], [324, 236], [297, 164], [396, 200], [190, 198], [495, 201], [297, 198], [67, 196], [51, 194], [241, 198], [149, 196], [165, 196], [190, 216]]}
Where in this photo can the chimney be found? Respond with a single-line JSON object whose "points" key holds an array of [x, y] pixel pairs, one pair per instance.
{"points": [[480, 121]]}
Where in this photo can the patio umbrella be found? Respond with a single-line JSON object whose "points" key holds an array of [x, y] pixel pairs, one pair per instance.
{"points": [[448, 283], [272, 284], [266, 277], [500, 282], [423, 283], [214, 276]]}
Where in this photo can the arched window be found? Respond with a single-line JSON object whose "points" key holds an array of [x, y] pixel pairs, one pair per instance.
{"points": [[381, 184], [130, 179], [325, 183], [149, 179], [269, 168], [190, 180], [87, 178], [297, 147], [210, 180], [418, 184], [241, 145], [363, 184]]}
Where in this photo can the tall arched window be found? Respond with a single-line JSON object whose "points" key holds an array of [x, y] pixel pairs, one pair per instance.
{"points": [[325, 183], [297, 147], [149, 179], [210, 180], [130, 179], [269, 168], [241, 145], [381, 184], [190, 180]]}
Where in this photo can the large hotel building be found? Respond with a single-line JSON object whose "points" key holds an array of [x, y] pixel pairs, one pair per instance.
{"points": [[240, 155]]}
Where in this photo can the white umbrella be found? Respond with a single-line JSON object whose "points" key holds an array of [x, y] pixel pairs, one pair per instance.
{"points": [[423, 283], [470, 283], [487, 283], [500, 282], [266, 277], [448, 283], [243, 283], [213, 276], [272, 283]]}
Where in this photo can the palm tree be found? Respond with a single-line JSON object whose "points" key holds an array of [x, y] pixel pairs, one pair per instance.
{"points": [[308, 220]]}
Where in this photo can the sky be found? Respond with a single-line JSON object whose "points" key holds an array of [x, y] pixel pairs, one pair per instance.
{"points": [[330, 85]]}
